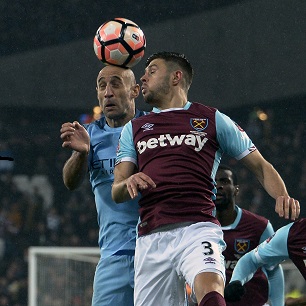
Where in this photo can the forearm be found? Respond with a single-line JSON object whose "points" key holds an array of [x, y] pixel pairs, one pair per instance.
{"points": [[246, 266], [120, 192], [75, 170], [276, 286], [272, 182], [127, 183], [268, 177]]}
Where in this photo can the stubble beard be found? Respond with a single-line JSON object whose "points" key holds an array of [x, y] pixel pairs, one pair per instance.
{"points": [[156, 97]]}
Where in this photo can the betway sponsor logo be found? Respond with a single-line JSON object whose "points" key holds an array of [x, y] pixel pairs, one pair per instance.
{"points": [[197, 141]]}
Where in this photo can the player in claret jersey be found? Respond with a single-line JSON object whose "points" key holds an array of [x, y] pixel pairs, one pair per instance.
{"points": [[243, 231], [171, 156], [289, 242]]}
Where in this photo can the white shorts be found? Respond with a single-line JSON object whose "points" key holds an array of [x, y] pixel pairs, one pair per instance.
{"points": [[166, 260]]}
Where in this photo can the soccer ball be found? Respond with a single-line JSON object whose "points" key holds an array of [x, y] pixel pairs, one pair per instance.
{"points": [[119, 42]]}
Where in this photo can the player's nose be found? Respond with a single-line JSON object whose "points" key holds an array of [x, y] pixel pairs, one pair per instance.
{"points": [[143, 79], [108, 91]]}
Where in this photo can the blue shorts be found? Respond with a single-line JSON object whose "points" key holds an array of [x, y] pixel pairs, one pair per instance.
{"points": [[114, 281]]}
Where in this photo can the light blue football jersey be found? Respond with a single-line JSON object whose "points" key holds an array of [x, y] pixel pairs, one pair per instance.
{"points": [[117, 222]]}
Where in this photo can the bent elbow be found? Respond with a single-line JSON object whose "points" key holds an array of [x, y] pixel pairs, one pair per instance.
{"points": [[70, 188], [70, 185]]}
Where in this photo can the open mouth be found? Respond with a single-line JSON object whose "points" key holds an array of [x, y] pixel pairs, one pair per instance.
{"points": [[109, 105], [143, 89]]}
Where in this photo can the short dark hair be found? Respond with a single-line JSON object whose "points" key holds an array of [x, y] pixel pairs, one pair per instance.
{"points": [[175, 58], [234, 176]]}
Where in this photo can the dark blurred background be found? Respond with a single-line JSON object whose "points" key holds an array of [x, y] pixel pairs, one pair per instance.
{"points": [[249, 60]]}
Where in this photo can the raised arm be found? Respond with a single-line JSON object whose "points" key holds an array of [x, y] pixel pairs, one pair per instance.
{"points": [[75, 137], [273, 184]]}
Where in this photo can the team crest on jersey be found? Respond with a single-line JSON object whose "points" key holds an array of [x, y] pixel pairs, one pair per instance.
{"points": [[242, 245], [199, 124]]}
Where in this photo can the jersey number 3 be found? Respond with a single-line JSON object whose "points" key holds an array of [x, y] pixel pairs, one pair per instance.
{"points": [[207, 248]]}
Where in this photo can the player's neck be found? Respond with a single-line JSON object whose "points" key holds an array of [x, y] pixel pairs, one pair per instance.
{"points": [[174, 99], [227, 217], [173, 103], [120, 121]]}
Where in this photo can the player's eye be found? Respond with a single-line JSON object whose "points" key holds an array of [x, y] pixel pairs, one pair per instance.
{"points": [[224, 181], [115, 84]]}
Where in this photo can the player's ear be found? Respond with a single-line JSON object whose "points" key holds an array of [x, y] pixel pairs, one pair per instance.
{"points": [[236, 190], [177, 77], [135, 91]]}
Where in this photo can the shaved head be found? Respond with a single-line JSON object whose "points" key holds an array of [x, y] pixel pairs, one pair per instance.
{"points": [[126, 74]]}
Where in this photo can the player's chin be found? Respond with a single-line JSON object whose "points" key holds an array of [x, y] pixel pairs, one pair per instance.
{"points": [[112, 113], [218, 204], [110, 109], [148, 98], [145, 95]]}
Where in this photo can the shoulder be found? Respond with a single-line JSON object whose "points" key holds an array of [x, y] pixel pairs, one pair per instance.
{"points": [[140, 113], [203, 107], [97, 124], [252, 217], [140, 117]]}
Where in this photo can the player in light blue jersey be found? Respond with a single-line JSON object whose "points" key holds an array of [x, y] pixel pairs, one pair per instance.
{"points": [[289, 242], [94, 150]]}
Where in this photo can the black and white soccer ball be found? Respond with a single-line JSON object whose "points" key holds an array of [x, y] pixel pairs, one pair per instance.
{"points": [[119, 42]]}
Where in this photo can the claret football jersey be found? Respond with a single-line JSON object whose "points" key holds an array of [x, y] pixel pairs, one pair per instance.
{"points": [[180, 149]]}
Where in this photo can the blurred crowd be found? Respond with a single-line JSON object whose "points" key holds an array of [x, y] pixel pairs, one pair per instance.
{"points": [[57, 22], [37, 210]]}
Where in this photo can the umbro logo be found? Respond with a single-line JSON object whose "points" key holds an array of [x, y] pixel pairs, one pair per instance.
{"points": [[147, 127], [209, 260]]}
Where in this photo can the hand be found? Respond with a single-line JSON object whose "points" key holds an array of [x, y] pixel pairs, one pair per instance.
{"points": [[75, 137], [287, 207], [234, 291], [138, 182]]}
